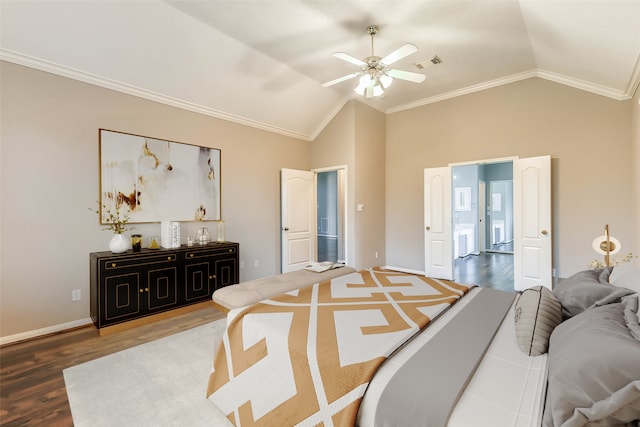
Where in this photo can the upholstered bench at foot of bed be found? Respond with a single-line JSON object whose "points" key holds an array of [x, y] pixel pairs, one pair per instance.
{"points": [[247, 293]]}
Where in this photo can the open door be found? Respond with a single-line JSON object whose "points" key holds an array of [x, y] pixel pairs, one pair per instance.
{"points": [[437, 223], [532, 222], [297, 219]]}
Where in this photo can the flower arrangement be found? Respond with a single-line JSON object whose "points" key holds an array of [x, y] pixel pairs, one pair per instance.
{"points": [[116, 221], [599, 265]]}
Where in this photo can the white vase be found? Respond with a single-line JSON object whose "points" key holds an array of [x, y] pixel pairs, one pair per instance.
{"points": [[119, 243]]}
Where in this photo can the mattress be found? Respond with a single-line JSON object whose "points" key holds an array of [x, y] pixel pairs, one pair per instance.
{"points": [[507, 388]]}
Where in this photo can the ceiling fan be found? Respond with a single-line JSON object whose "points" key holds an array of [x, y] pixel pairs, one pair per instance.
{"points": [[375, 73]]}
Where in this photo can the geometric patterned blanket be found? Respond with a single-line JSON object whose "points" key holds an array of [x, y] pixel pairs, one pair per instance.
{"points": [[307, 356]]}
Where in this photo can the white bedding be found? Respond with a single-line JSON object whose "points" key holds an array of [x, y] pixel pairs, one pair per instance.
{"points": [[506, 390]]}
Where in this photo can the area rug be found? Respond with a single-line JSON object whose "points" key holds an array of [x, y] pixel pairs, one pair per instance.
{"points": [[160, 383]]}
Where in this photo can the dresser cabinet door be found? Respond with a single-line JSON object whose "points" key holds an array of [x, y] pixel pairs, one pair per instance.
{"points": [[121, 297], [197, 280], [226, 269], [162, 288]]}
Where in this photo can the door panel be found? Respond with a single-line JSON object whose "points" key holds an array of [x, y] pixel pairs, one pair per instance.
{"points": [[437, 220], [532, 222], [298, 218]]}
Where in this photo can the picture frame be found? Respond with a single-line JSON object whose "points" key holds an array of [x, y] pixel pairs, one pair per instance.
{"points": [[153, 180], [462, 199], [496, 202]]}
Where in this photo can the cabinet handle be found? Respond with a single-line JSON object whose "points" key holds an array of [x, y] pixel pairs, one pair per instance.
{"points": [[146, 289], [141, 290], [213, 276]]}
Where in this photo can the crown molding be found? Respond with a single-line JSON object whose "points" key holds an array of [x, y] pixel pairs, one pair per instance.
{"points": [[582, 85], [49, 67], [634, 81], [464, 91], [543, 74]]}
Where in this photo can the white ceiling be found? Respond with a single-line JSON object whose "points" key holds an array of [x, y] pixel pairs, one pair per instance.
{"points": [[262, 62]]}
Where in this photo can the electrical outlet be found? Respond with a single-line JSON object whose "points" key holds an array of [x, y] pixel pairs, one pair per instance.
{"points": [[256, 263], [75, 295], [376, 254], [241, 264]]}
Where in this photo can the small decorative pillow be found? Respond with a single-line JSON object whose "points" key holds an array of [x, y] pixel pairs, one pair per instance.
{"points": [[537, 313]]}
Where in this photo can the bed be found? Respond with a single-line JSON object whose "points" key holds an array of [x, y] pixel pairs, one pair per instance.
{"points": [[422, 351]]}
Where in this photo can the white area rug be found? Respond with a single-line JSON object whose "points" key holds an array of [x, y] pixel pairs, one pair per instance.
{"points": [[160, 383]]}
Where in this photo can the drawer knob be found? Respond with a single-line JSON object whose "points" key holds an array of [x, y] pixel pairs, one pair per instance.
{"points": [[168, 258], [113, 264], [213, 276], [191, 255], [141, 290]]}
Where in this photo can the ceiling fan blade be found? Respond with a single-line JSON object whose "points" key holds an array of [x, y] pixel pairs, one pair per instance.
{"points": [[406, 75], [350, 59], [340, 79], [399, 53]]}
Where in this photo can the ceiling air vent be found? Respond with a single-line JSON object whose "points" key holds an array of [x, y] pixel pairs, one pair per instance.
{"points": [[425, 63]]}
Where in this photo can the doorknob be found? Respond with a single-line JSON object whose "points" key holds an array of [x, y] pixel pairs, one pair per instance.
{"points": [[285, 228], [545, 232], [428, 228]]}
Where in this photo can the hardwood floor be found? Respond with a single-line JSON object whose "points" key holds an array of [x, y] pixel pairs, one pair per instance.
{"points": [[488, 270], [32, 388]]}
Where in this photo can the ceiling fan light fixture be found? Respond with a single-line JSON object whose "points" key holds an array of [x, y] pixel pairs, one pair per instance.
{"points": [[363, 83], [385, 81], [377, 90]]}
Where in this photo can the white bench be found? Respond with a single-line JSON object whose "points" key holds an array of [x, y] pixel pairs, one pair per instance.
{"points": [[252, 291]]}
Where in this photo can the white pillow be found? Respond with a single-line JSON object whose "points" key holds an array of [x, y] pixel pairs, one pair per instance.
{"points": [[626, 276]]}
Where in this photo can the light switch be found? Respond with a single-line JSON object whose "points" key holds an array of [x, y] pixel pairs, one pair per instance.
{"points": [[360, 207]]}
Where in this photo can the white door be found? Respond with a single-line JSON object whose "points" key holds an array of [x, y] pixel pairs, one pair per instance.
{"points": [[532, 222], [297, 219], [437, 223]]}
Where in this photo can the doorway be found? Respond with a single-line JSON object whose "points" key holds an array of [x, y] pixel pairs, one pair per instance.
{"points": [[482, 224], [330, 215], [300, 219]]}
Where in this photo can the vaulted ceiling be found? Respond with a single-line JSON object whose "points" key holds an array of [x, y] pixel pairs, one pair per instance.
{"points": [[262, 62]]}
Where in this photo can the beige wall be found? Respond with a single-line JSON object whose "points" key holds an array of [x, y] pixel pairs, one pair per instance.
{"points": [[49, 179], [355, 138], [370, 186], [588, 137]]}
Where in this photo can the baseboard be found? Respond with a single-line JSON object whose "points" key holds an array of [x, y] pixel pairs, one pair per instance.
{"points": [[10, 339], [403, 270]]}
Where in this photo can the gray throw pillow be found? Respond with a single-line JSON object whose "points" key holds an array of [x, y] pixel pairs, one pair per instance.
{"points": [[537, 313], [586, 289]]}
